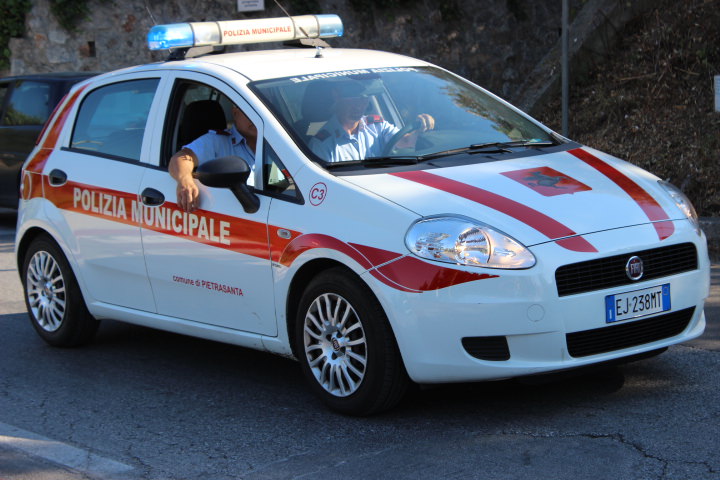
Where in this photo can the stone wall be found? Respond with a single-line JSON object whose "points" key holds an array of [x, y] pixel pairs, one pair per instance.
{"points": [[511, 47], [495, 43]]}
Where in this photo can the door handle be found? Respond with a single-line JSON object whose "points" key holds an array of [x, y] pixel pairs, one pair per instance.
{"points": [[57, 177], [152, 197]]}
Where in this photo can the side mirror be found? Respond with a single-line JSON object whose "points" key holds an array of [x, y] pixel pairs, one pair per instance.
{"points": [[230, 172]]}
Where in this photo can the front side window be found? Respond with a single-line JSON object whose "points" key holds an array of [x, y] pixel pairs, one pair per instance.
{"points": [[195, 110], [112, 119], [29, 104], [204, 120], [391, 112]]}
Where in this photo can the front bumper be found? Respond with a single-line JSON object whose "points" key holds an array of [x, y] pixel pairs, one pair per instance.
{"points": [[442, 333]]}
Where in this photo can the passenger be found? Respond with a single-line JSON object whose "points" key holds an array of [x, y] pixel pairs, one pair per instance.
{"points": [[352, 135], [240, 140]]}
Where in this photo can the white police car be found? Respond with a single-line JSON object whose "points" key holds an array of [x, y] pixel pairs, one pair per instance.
{"points": [[444, 236]]}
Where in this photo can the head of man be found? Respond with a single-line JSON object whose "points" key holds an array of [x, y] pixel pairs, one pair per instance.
{"points": [[351, 100], [243, 124]]}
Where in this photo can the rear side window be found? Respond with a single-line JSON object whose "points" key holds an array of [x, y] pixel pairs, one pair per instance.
{"points": [[29, 104], [112, 119]]}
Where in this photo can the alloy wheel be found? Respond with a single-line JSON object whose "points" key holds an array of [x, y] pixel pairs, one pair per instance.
{"points": [[45, 290], [335, 344]]}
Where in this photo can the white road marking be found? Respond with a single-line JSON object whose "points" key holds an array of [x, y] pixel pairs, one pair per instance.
{"points": [[60, 453]]}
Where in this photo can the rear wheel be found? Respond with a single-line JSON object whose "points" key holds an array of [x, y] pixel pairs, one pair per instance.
{"points": [[346, 347], [52, 296]]}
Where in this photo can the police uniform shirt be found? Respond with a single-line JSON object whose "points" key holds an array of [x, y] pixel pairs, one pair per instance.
{"points": [[221, 143], [332, 142]]}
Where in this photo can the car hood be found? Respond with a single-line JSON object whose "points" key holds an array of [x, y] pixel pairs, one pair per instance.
{"points": [[558, 196]]}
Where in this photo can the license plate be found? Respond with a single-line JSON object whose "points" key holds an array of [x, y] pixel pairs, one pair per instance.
{"points": [[638, 303]]}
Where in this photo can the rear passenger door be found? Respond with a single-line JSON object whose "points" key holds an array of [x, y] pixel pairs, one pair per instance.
{"points": [[93, 180]]}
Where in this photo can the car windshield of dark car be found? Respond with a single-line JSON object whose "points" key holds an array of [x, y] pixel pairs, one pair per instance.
{"points": [[397, 114]]}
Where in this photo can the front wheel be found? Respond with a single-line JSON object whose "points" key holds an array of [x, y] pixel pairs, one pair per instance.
{"points": [[52, 296], [346, 347]]}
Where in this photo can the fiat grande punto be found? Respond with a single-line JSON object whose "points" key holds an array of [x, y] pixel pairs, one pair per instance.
{"points": [[387, 222]]}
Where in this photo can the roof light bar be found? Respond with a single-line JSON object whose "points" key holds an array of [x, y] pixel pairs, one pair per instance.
{"points": [[235, 32]]}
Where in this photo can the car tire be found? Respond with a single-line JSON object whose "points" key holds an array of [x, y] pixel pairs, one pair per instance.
{"points": [[346, 347], [54, 302]]}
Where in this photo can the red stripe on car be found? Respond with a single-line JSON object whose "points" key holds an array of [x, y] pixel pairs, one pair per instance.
{"points": [[303, 243], [400, 272], [416, 274], [210, 228], [377, 256], [645, 201], [549, 227], [247, 237]]}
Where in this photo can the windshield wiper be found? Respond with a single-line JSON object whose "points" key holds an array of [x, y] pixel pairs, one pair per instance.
{"points": [[489, 147], [381, 161], [375, 162], [513, 144]]}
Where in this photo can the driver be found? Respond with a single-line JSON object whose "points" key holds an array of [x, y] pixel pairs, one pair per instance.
{"points": [[240, 140], [352, 135]]}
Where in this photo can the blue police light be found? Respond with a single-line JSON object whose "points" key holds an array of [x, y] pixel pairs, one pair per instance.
{"points": [[234, 32], [330, 26], [176, 35]]}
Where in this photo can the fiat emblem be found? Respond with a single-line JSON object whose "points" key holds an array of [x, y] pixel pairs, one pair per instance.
{"points": [[634, 268]]}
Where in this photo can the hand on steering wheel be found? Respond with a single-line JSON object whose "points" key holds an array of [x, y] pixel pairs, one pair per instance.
{"points": [[422, 123]]}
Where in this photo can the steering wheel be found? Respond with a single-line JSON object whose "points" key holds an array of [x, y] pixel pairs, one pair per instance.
{"points": [[410, 127]]}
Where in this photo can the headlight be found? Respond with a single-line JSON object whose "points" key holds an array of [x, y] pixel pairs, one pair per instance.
{"points": [[682, 202], [466, 242]]}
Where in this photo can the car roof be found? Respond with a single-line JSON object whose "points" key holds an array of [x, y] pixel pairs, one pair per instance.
{"points": [[266, 64]]}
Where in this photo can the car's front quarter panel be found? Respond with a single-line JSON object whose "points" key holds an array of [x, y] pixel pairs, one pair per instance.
{"points": [[337, 222]]}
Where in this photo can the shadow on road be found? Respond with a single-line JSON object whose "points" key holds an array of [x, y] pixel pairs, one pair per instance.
{"points": [[710, 340], [129, 354]]}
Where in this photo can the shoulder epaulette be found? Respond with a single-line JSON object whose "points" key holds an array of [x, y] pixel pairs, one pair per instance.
{"points": [[224, 133], [374, 119]]}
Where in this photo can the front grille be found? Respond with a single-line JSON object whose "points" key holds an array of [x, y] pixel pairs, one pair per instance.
{"points": [[639, 332], [487, 348], [610, 271]]}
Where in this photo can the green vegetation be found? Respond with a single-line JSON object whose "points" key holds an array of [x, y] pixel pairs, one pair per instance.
{"points": [[13, 117], [12, 24], [69, 13]]}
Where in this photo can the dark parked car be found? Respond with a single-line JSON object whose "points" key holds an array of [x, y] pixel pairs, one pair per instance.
{"points": [[25, 104]]}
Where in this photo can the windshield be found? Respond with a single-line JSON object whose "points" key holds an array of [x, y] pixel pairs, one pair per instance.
{"points": [[394, 113]]}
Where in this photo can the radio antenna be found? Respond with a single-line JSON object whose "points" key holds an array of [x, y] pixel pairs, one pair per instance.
{"points": [[152, 17], [291, 18]]}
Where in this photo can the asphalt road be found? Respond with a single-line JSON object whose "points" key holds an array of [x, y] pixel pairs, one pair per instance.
{"points": [[143, 404]]}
